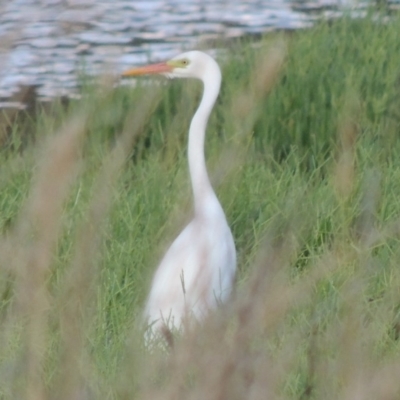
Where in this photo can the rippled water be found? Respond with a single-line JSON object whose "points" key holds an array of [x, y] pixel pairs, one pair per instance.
{"points": [[46, 42]]}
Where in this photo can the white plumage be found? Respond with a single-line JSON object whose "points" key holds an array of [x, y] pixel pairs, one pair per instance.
{"points": [[198, 270]]}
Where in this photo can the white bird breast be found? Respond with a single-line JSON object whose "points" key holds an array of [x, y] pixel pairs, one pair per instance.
{"points": [[195, 275]]}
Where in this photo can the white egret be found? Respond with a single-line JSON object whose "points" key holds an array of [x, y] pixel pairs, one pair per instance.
{"points": [[198, 270]]}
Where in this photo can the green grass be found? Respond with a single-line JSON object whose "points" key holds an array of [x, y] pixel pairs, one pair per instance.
{"points": [[313, 199]]}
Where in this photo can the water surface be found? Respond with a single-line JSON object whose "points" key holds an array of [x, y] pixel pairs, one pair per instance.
{"points": [[47, 42]]}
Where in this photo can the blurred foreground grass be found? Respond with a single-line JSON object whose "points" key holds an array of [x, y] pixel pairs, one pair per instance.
{"points": [[303, 150]]}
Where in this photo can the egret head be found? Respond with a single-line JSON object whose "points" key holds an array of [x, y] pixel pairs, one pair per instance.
{"points": [[192, 64]]}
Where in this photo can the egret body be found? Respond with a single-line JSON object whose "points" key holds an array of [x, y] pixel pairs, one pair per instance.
{"points": [[198, 270]]}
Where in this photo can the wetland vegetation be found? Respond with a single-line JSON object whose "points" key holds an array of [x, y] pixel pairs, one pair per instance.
{"points": [[303, 150]]}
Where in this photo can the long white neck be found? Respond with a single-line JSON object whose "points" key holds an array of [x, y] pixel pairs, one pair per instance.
{"points": [[202, 189]]}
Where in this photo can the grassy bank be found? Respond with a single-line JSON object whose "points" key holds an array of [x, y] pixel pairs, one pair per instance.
{"points": [[302, 149]]}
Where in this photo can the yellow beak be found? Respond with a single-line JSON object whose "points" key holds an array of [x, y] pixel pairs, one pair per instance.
{"points": [[149, 69]]}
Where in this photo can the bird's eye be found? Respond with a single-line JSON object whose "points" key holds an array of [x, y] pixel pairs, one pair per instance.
{"points": [[185, 62]]}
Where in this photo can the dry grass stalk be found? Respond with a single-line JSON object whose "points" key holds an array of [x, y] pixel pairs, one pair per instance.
{"points": [[29, 248], [344, 172], [28, 252], [245, 109], [82, 274], [365, 226]]}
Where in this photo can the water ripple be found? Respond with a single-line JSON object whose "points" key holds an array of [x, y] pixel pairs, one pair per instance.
{"points": [[48, 42]]}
